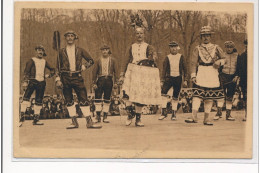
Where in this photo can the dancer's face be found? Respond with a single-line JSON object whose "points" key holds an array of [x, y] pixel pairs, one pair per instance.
{"points": [[229, 49], [39, 53], [174, 49], [105, 52], [206, 38], [139, 35], [70, 38]]}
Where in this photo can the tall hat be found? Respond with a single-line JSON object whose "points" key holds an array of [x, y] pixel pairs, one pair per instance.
{"points": [[229, 44], [174, 44], [42, 48], [206, 30], [71, 32]]}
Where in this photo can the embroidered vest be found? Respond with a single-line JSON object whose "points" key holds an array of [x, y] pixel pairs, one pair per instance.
{"points": [[207, 54], [231, 63], [139, 52], [105, 65]]}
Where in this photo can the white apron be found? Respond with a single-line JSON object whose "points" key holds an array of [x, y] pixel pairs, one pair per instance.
{"points": [[142, 84], [207, 76]]}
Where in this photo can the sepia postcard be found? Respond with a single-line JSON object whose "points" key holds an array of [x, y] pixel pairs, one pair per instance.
{"points": [[133, 80]]}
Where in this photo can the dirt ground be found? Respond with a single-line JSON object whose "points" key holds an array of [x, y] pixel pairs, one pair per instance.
{"points": [[224, 136]]}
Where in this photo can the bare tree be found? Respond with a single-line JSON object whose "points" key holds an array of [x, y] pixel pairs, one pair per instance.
{"points": [[113, 27]]}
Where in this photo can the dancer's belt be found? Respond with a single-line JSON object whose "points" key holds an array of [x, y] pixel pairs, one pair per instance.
{"points": [[205, 64], [72, 73], [105, 76]]}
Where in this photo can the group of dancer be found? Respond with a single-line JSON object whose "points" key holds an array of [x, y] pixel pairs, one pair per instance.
{"points": [[214, 74]]}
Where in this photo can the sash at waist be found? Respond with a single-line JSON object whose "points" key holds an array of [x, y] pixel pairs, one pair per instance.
{"points": [[205, 64]]}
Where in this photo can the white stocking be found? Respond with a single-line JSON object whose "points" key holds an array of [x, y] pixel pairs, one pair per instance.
{"points": [[86, 111], [72, 110]]}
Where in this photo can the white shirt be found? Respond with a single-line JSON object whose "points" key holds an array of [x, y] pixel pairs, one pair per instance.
{"points": [[139, 51], [71, 56], [39, 68], [174, 64]]}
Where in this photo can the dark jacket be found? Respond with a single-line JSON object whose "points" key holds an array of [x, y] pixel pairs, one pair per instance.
{"points": [[30, 70], [150, 54], [112, 69], [64, 64], [167, 68], [242, 68]]}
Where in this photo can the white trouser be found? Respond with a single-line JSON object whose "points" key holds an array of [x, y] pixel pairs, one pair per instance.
{"points": [[174, 104], [106, 107], [220, 103], [229, 105], [72, 111], [86, 111], [98, 107], [196, 103], [208, 105]]}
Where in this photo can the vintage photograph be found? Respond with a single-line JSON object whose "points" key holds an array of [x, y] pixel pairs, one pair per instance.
{"points": [[133, 80]]}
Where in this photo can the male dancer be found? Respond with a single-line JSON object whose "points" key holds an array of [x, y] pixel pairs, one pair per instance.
{"points": [[228, 78], [34, 80], [70, 65], [103, 72], [205, 61], [173, 69], [138, 51]]}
